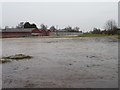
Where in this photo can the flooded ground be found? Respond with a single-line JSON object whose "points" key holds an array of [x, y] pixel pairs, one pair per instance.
{"points": [[61, 63]]}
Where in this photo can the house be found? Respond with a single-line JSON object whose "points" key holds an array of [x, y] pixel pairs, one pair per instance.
{"points": [[13, 32], [65, 33], [45, 32], [27, 32], [35, 32], [23, 32]]}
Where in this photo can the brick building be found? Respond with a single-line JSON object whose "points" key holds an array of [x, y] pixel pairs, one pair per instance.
{"points": [[13, 32]]}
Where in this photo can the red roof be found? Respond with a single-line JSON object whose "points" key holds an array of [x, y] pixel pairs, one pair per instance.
{"points": [[35, 31]]}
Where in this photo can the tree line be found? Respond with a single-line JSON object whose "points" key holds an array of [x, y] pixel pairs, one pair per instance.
{"points": [[110, 28], [45, 27]]}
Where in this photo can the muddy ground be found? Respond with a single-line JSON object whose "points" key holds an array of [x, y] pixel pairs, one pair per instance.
{"points": [[85, 62]]}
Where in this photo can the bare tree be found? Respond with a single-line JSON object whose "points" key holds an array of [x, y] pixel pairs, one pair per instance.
{"points": [[76, 29], [6, 27], [43, 27], [110, 25], [69, 29], [20, 25], [52, 28]]}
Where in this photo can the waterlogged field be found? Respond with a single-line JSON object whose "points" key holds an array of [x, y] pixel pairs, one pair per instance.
{"points": [[84, 62]]}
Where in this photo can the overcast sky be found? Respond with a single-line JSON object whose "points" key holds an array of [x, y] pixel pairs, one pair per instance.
{"points": [[85, 15]]}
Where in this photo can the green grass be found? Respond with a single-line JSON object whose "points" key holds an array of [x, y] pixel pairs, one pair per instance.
{"points": [[94, 35], [116, 38]]}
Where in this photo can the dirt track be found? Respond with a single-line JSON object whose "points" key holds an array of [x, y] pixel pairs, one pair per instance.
{"points": [[61, 63]]}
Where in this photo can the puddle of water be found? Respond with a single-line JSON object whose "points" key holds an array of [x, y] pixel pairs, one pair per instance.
{"points": [[60, 62]]}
